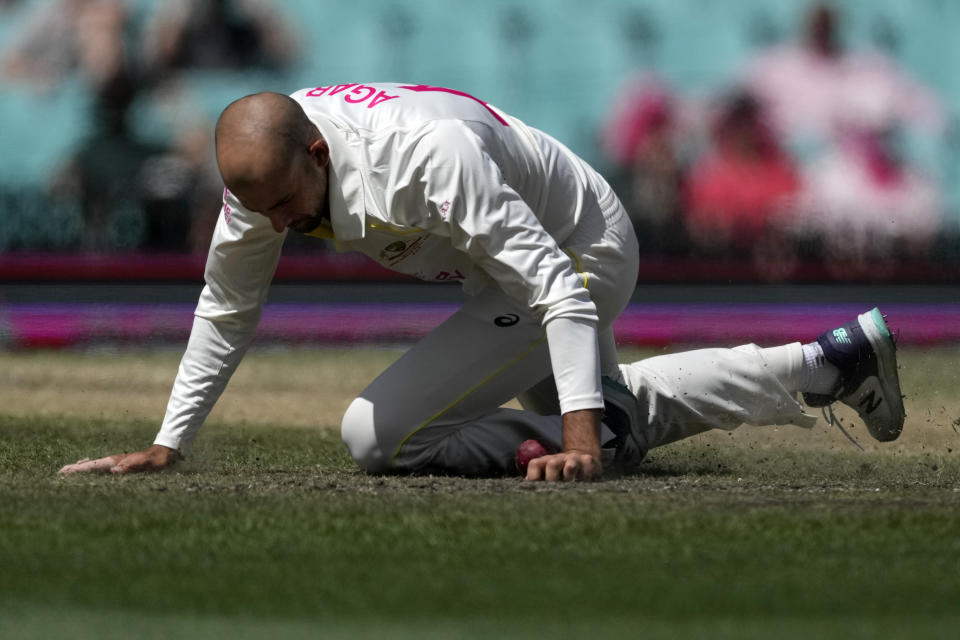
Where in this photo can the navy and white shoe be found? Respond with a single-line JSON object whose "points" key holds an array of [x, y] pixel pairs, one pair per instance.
{"points": [[866, 356], [621, 413]]}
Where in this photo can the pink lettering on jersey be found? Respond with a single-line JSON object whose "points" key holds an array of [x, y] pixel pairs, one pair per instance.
{"points": [[446, 275], [424, 87], [358, 91], [358, 94], [340, 88], [380, 97]]}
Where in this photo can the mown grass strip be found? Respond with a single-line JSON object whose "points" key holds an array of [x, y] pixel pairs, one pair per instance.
{"points": [[275, 530]]}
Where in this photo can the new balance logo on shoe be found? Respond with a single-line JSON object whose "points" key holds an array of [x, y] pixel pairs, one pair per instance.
{"points": [[870, 402], [840, 335]]}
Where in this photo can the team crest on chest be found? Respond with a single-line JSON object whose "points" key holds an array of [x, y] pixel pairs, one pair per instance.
{"points": [[399, 250], [393, 250]]}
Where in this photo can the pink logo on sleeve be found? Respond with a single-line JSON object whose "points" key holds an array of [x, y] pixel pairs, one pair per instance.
{"points": [[226, 207]]}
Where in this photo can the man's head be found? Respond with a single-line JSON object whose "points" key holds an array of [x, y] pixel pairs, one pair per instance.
{"points": [[274, 160], [821, 30]]}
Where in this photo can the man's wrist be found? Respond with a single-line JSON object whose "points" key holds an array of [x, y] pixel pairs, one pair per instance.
{"points": [[167, 454], [581, 432]]}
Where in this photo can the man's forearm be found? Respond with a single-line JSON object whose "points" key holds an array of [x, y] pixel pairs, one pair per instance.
{"points": [[212, 356]]}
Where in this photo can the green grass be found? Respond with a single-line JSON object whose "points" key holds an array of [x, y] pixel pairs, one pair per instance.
{"points": [[270, 530]]}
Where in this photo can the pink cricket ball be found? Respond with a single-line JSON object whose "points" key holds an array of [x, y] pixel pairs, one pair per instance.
{"points": [[527, 451]]}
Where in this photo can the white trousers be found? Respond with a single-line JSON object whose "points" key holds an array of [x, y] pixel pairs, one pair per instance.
{"points": [[683, 394], [438, 408]]}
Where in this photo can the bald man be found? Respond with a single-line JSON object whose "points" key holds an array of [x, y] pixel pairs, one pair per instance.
{"points": [[437, 184]]}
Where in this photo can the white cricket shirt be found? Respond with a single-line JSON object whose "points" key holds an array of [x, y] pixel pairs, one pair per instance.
{"points": [[429, 182]]}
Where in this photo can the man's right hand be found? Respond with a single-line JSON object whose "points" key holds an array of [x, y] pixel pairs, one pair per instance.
{"points": [[155, 458]]}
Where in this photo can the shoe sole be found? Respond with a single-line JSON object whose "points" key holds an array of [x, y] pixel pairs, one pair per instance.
{"points": [[877, 333]]}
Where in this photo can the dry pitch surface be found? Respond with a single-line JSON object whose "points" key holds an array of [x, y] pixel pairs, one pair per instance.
{"points": [[311, 388]]}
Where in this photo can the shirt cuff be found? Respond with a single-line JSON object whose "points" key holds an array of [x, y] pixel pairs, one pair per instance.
{"points": [[575, 359]]}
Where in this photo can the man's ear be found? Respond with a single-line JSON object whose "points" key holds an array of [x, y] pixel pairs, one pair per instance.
{"points": [[320, 151]]}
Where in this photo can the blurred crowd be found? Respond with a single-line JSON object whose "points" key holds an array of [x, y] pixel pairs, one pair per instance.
{"points": [[799, 157], [161, 194]]}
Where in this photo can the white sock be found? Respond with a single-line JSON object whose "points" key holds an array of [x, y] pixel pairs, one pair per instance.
{"points": [[786, 363], [819, 375]]}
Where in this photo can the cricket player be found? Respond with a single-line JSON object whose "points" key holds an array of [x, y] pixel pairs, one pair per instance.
{"points": [[438, 184]]}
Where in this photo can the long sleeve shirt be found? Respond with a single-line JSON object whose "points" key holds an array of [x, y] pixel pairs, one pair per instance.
{"points": [[429, 182]]}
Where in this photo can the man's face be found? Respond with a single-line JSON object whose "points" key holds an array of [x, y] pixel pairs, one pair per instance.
{"points": [[294, 197]]}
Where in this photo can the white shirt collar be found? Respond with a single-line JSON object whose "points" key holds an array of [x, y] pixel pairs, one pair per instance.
{"points": [[345, 185]]}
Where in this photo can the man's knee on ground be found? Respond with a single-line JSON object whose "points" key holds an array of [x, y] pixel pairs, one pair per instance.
{"points": [[358, 431]]}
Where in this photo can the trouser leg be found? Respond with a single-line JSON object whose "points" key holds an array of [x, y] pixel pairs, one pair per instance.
{"points": [[437, 407], [688, 393]]}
